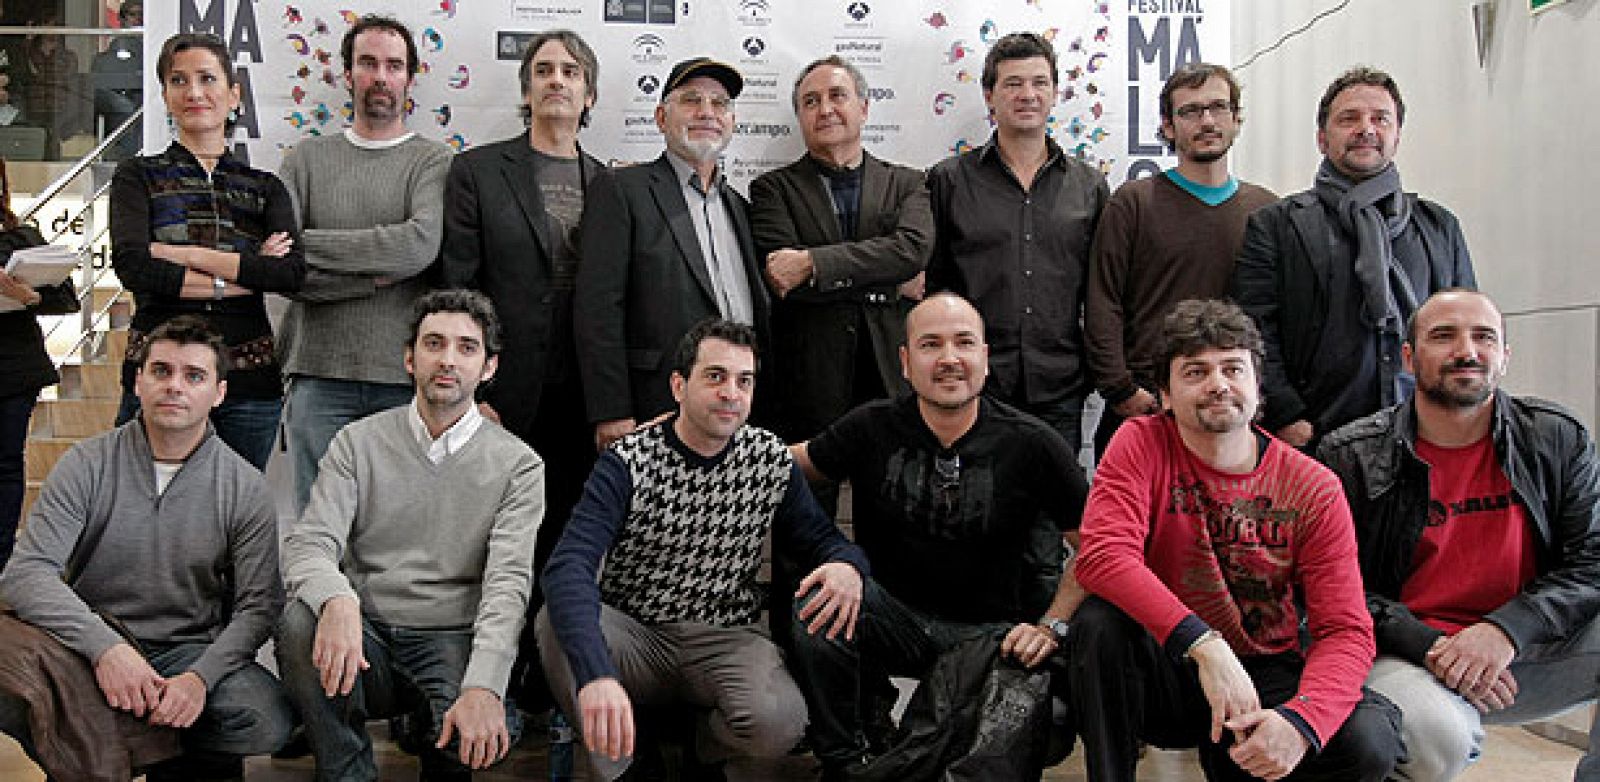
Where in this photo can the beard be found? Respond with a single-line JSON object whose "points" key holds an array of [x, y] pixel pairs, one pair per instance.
{"points": [[381, 103], [1458, 395], [1229, 418]]}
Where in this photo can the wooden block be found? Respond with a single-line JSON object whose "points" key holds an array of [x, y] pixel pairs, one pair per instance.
{"points": [[97, 379], [42, 453], [81, 417]]}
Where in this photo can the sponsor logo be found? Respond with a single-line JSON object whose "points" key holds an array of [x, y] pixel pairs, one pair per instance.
{"points": [[649, 48], [858, 10], [753, 46], [648, 84], [756, 13]]}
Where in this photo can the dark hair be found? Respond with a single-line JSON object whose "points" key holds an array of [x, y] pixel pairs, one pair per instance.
{"points": [[580, 51], [1193, 76], [347, 49], [729, 331], [123, 11], [1360, 76], [183, 42], [186, 330], [467, 302], [1411, 320], [1017, 46], [856, 77], [1196, 325]]}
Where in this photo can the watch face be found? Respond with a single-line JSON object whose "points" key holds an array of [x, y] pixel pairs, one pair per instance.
{"points": [[1058, 627]]}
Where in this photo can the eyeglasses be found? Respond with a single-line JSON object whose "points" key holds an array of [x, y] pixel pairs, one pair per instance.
{"points": [[698, 100], [1193, 111], [947, 471]]}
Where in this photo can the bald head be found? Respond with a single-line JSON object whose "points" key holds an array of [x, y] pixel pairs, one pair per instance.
{"points": [[1449, 299], [943, 306]]}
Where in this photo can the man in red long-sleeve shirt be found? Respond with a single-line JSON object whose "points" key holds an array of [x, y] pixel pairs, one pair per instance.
{"points": [[1202, 540]]}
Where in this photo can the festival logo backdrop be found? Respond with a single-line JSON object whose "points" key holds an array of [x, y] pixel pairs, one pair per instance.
{"points": [[923, 60]]}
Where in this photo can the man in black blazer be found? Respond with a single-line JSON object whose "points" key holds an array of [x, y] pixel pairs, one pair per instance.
{"points": [[841, 233], [512, 213], [665, 246]]}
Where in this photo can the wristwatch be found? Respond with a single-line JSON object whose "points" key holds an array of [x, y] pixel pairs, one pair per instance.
{"points": [[219, 287], [1057, 627]]}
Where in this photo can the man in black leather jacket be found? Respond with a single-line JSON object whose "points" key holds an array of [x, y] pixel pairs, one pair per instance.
{"points": [[1478, 520]]}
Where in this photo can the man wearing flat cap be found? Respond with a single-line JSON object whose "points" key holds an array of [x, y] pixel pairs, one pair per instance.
{"points": [[665, 245]]}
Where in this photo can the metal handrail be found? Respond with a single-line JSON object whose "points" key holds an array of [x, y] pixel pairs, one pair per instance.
{"points": [[55, 188]]}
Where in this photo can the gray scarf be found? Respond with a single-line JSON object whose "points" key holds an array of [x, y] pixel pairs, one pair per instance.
{"points": [[1375, 211]]}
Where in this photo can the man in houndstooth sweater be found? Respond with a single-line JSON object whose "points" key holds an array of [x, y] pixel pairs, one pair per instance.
{"points": [[678, 513]]}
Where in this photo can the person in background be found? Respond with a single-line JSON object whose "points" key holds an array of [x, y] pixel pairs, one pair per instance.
{"points": [[195, 231], [25, 367]]}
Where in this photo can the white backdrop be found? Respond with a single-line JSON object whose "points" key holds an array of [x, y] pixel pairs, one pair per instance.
{"points": [[922, 59]]}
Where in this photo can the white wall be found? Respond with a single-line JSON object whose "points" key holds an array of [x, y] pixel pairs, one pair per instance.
{"points": [[1508, 147]]}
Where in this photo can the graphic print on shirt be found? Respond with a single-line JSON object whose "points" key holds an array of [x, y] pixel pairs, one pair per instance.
{"points": [[954, 502], [1243, 556]]}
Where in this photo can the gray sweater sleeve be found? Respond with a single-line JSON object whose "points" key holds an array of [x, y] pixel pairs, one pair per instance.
{"points": [[398, 250], [315, 546], [257, 590], [507, 579], [32, 583]]}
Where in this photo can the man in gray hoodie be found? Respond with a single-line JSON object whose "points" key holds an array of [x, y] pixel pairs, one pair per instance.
{"points": [[152, 552]]}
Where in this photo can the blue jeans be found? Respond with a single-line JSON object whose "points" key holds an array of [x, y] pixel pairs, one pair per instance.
{"points": [[410, 671], [248, 426], [14, 414], [247, 713], [317, 408], [891, 638], [1443, 734]]}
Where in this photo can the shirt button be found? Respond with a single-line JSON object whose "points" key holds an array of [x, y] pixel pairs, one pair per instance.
{"points": [[1027, 272], [1027, 310], [1027, 237]]}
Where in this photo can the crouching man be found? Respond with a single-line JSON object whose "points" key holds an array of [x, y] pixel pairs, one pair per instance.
{"points": [[1203, 538], [678, 512], [152, 553], [410, 569]]}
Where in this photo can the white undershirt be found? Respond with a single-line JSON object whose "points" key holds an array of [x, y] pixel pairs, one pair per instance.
{"points": [[368, 143], [164, 473]]}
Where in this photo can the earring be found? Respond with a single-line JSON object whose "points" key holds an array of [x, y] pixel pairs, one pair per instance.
{"points": [[233, 115]]}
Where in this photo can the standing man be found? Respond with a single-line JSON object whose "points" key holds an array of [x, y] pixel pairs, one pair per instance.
{"points": [[1015, 218], [1164, 239], [1203, 541], [511, 230], [409, 572], [840, 231], [962, 504], [1479, 528], [668, 245], [371, 205], [652, 595], [153, 553], [1331, 274]]}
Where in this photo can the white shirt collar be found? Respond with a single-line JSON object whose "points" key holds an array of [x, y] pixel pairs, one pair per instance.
{"points": [[453, 438], [367, 143]]}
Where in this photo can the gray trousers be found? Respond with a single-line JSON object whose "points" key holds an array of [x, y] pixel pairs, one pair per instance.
{"points": [[750, 706], [1443, 734]]}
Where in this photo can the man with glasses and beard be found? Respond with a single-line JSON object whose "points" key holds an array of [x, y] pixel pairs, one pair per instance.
{"points": [[962, 504], [1478, 522], [370, 202], [1205, 541], [665, 246], [1165, 238]]}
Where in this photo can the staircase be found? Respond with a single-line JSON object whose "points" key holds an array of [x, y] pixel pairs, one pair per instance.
{"points": [[85, 403]]}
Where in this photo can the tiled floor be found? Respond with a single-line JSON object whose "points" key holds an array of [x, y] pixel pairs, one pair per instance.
{"points": [[1512, 753]]}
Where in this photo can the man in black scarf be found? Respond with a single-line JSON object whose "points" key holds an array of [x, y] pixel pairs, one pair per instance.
{"points": [[1332, 273]]}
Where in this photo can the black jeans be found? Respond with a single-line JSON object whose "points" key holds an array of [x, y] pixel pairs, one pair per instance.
{"points": [[1126, 688], [14, 414], [891, 638]]}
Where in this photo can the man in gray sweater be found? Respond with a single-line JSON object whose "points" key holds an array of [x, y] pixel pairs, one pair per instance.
{"points": [[152, 552], [410, 569], [371, 208]]}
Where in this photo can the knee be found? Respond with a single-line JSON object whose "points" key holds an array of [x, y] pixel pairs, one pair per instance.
{"points": [[297, 631], [771, 728], [1100, 628], [1371, 739], [251, 717], [1438, 744]]}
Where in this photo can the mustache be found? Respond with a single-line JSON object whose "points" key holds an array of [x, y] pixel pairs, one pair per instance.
{"points": [[1465, 363]]}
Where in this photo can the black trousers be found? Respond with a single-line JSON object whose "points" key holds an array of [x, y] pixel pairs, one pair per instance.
{"points": [[1127, 689]]}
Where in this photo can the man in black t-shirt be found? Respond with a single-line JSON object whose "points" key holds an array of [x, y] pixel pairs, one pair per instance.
{"points": [[962, 504]]}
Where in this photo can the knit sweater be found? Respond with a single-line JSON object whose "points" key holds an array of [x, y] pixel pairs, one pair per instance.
{"points": [[421, 545], [100, 538], [1155, 246], [681, 538], [371, 222], [1179, 547]]}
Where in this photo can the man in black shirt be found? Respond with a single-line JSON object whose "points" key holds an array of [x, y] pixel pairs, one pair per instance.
{"points": [[1014, 220], [961, 503]]}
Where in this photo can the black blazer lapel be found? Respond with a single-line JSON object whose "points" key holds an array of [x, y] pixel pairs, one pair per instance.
{"points": [[738, 211], [668, 195], [817, 201], [523, 186], [874, 193]]}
